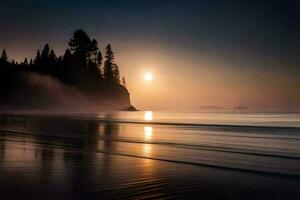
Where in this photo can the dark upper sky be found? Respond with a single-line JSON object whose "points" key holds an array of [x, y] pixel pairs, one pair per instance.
{"points": [[237, 33], [261, 28]]}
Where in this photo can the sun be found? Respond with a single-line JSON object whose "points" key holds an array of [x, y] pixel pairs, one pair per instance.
{"points": [[148, 76]]}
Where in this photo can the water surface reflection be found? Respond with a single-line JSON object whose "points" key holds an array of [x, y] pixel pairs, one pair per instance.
{"points": [[148, 132], [71, 158]]}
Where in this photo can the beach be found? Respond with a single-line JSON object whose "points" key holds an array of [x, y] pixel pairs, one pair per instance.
{"points": [[150, 155]]}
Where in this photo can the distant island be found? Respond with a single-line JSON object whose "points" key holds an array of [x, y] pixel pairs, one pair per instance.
{"points": [[212, 107], [80, 79], [240, 108]]}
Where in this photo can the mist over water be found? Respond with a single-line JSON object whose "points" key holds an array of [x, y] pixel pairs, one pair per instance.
{"points": [[55, 91], [43, 93]]}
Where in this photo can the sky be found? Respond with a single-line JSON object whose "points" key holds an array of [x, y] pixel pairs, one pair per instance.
{"points": [[209, 52]]}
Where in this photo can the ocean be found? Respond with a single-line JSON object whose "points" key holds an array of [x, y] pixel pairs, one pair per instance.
{"points": [[150, 155]]}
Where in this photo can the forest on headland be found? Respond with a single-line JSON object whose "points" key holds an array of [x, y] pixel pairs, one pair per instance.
{"points": [[82, 78]]}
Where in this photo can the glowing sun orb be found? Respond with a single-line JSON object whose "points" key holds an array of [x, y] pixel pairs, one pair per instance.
{"points": [[148, 76], [148, 116]]}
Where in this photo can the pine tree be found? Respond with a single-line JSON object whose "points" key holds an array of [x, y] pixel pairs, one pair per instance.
{"points": [[81, 43], [99, 58], [52, 56], [124, 81], [69, 68], [52, 60], [99, 63], [116, 72], [4, 55], [25, 62], [92, 55], [45, 53], [108, 64], [37, 58], [67, 55]]}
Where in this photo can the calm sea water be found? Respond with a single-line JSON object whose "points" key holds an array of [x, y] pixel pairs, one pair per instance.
{"points": [[151, 154]]}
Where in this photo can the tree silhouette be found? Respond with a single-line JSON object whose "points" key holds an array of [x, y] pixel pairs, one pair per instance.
{"points": [[81, 43], [52, 56], [4, 55], [124, 82], [37, 58], [99, 58], [85, 71], [116, 73], [81, 67], [45, 53], [67, 54], [92, 54], [25, 61], [67, 71], [108, 64], [99, 63]]}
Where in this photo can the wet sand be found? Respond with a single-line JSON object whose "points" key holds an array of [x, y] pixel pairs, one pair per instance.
{"points": [[59, 158]]}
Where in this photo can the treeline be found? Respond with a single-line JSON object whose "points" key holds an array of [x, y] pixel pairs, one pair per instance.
{"points": [[83, 66]]}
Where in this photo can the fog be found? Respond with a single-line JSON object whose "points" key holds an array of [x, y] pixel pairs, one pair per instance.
{"points": [[42, 92]]}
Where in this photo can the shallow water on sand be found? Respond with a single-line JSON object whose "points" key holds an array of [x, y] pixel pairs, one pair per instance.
{"points": [[228, 155]]}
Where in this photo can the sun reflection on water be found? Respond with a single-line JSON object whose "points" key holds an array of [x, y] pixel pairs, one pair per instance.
{"points": [[148, 132], [147, 149]]}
